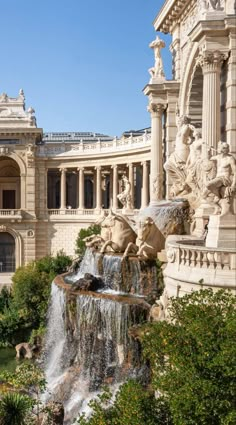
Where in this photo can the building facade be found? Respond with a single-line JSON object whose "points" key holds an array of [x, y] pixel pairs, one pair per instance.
{"points": [[53, 184]]}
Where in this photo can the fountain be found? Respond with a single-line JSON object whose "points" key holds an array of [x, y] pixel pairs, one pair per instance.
{"points": [[88, 342]]}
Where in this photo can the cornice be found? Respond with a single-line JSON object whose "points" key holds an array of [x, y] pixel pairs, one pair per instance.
{"points": [[169, 14], [162, 89]]}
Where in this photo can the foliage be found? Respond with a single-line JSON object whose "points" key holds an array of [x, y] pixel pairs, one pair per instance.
{"points": [[12, 324], [94, 229], [26, 306], [132, 405], [32, 284], [193, 358], [5, 298], [26, 383], [14, 408]]}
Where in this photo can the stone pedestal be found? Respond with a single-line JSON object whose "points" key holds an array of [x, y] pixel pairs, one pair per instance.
{"points": [[221, 231], [201, 218]]}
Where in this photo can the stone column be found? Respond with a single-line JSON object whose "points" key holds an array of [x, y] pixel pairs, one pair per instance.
{"points": [[77, 186], [211, 123], [131, 180], [115, 185], [144, 202], [231, 95], [81, 188], [63, 188], [156, 175], [98, 190]]}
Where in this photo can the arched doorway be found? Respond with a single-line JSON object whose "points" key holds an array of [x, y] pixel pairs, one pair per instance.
{"points": [[7, 253]]}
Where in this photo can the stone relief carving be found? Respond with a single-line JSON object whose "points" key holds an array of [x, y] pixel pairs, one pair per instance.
{"points": [[30, 155], [125, 196], [199, 13], [157, 71]]}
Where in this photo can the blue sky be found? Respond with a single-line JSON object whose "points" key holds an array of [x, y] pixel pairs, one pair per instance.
{"points": [[82, 63]]}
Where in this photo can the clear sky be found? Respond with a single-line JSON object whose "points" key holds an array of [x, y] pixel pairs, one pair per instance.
{"points": [[82, 63]]}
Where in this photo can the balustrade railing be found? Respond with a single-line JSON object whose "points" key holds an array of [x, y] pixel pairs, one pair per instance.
{"points": [[10, 212], [84, 147], [200, 256]]}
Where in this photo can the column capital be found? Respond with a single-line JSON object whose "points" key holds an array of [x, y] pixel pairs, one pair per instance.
{"points": [[130, 165], [144, 163], [114, 167], [211, 61], [155, 108], [98, 167], [63, 170], [80, 168]]}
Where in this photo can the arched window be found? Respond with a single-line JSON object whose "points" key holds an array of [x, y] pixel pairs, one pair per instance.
{"points": [[9, 184], [7, 253]]}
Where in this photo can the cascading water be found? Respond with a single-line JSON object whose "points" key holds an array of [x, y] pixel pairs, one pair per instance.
{"points": [[88, 342], [56, 334]]}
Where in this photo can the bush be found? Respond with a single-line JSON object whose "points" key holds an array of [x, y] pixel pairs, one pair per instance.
{"points": [[95, 229], [133, 405], [193, 358], [14, 408], [5, 299]]}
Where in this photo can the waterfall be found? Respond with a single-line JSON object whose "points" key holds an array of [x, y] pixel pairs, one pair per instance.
{"points": [[88, 265], [56, 335], [88, 342]]}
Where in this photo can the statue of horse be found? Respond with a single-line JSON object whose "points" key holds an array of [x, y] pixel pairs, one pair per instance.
{"points": [[149, 242], [121, 233]]}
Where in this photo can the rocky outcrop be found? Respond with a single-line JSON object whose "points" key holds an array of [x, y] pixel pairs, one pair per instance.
{"points": [[88, 283], [54, 414], [24, 350]]}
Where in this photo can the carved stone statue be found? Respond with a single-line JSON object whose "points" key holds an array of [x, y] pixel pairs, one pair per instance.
{"points": [[157, 71], [149, 240], [125, 196], [223, 186], [121, 233], [175, 166]]}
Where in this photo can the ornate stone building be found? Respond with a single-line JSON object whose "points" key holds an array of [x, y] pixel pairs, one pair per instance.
{"points": [[53, 184]]}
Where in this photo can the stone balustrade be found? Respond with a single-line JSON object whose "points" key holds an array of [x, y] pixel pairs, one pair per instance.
{"points": [[192, 266], [5, 213], [84, 148], [86, 211]]}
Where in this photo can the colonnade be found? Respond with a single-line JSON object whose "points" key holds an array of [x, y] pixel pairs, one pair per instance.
{"points": [[105, 182]]}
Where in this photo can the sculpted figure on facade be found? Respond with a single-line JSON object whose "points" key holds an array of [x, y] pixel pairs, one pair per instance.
{"points": [[158, 70], [125, 196], [175, 166], [223, 186]]}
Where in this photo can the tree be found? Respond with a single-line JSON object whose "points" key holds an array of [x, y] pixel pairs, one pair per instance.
{"points": [[32, 285], [193, 358], [94, 229]]}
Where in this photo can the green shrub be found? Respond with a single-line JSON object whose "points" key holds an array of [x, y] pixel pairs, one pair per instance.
{"points": [[5, 298], [193, 358], [14, 408], [94, 229], [133, 405]]}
